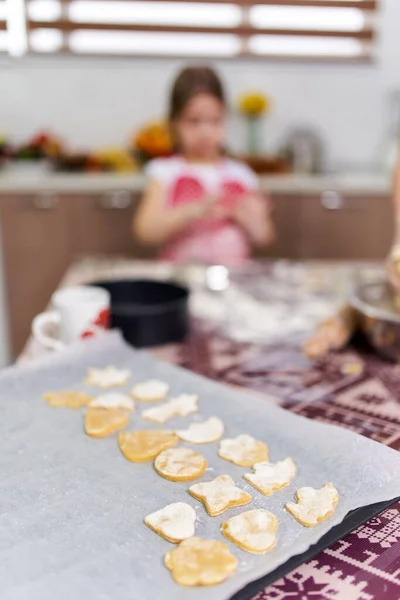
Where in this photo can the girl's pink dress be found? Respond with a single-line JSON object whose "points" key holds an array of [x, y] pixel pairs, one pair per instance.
{"points": [[208, 241]]}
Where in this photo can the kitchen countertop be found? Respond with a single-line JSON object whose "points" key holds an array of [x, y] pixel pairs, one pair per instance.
{"points": [[353, 183]]}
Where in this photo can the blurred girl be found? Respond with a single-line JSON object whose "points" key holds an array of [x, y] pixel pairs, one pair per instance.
{"points": [[200, 205]]}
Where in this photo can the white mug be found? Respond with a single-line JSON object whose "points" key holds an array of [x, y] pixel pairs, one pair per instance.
{"points": [[79, 312]]}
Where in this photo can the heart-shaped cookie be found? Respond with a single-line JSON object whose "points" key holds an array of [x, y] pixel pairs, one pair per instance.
{"points": [[101, 422], [140, 446], [175, 522], [253, 531]]}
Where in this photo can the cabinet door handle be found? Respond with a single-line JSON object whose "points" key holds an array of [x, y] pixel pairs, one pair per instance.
{"points": [[333, 201], [44, 201], [119, 200]]}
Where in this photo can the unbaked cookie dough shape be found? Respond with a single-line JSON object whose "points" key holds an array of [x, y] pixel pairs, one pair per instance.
{"points": [[67, 399], [206, 432], [181, 406], [243, 450], [271, 477], [107, 377], [113, 400], [314, 506], [253, 531], [219, 495], [175, 522], [102, 422], [180, 464], [151, 390], [199, 562], [141, 446]]}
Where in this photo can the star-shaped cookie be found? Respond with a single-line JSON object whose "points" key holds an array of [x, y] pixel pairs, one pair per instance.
{"points": [[107, 377], [219, 495]]}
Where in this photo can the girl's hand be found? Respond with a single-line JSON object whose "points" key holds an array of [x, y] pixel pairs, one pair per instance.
{"points": [[252, 213]]}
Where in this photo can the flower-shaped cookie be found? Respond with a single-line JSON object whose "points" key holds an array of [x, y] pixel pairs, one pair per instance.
{"points": [[201, 562]]}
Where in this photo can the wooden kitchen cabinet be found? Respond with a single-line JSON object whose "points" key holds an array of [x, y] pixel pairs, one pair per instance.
{"points": [[102, 224], [43, 233], [340, 227], [286, 215], [36, 253]]}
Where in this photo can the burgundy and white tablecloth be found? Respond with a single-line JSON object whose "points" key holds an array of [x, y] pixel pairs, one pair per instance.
{"points": [[354, 389]]}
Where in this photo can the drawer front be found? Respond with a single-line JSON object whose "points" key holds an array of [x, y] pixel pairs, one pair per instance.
{"points": [[346, 227], [103, 223]]}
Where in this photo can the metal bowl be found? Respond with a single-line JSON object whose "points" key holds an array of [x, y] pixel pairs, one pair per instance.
{"points": [[375, 304]]}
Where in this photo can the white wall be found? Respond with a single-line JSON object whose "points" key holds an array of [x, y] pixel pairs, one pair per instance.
{"points": [[100, 102]]}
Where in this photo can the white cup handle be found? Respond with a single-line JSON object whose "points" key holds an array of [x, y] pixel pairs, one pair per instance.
{"points": [[41, 321]]}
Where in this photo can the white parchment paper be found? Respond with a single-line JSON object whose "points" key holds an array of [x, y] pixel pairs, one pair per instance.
{"points": [[72, 507]]}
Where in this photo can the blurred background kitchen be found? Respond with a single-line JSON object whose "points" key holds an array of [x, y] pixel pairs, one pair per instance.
{"points": [[314, 94]]}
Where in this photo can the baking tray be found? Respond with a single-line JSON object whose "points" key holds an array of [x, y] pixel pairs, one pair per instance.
{"points": [[72, 508], [352, 521]]}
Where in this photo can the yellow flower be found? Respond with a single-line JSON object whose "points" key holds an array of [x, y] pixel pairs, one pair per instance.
{"points": [[254, 105]]}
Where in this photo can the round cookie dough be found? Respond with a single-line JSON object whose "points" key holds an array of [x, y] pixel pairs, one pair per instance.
{"points": [[101, 422], [180, 464], [152, 390], [243, 450]]}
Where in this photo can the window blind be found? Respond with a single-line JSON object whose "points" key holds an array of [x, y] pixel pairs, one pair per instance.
{"points": [[266, 29]]}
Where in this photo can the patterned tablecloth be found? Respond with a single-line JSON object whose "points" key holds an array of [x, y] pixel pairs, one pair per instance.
{"points": [[249, 336]]}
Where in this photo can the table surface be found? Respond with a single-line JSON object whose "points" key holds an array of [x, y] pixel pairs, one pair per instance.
{"points": [[365, 565]]}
